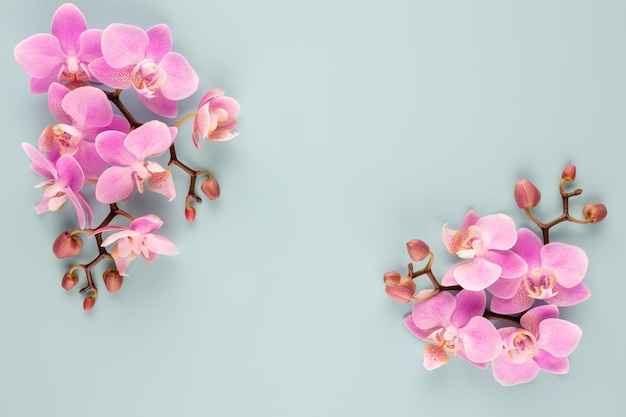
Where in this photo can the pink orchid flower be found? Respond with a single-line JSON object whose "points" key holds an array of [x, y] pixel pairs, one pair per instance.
{"points": [[132, 57], [127, 153], [216, 118], [544, 342], [456, 325], [487, 242], [64, 181], [554, 275], [83, 113], [137, 239], [62, 56]]}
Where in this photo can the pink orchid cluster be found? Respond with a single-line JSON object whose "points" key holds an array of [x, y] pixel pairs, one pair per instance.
{"points": [[500, 303], [96, 139]]}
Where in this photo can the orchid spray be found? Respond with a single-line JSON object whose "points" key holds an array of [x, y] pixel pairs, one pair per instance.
{"points": [[96, 139], [500, 303]]}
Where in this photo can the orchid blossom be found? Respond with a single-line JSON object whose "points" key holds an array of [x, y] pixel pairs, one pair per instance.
{"points": [[486, 241], [143, 60], [554, 275], [137, 239], [64, 181], [127, 154], [216, 118], [455, 325], [543, 343], [83, 113], [63, 55]]}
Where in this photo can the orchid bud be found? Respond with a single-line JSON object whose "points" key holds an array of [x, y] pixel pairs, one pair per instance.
{"points": [[112, 280], [569, 173], [418, 250], [595, 213], [89, 302], [211, 188], [190, 213], [69, 280], [397, 289], [526, 194], [66, 245]]}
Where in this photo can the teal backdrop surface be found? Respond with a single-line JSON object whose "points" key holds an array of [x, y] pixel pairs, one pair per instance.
{"points": [[364, 124]]}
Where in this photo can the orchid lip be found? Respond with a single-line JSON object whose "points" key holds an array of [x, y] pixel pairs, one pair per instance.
{"points": [[540, 282], [521, 345], [147, 77]]}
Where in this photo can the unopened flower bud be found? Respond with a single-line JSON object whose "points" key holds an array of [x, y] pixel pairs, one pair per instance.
{"points": [[211, 188], [594, 212], [190, 213], [398, 288], [112, 280], [89, 302], [69, 280], [418, 250], [526, 194], [569, 173], [66, 245]]}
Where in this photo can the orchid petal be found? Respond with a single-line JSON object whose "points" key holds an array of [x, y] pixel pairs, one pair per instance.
{"points": [[160, 105], [146, 224], [88, 106], [70, 173], [79, 209], [151, 139], [434, 312], [114, 185], [551, 363], [498, 231], [162, 183], [123, 45], [481, 340], [67, 24], [470, 219], [160, 42], [569, 263], [39, 55], [120, 235], [110, 145], [531, 319], [468, 305], [113, 77], [505, 288], [508, 373], [565, 297], [512, 264], [421, 333], [159, 244], [558, 337], [56, 94], [434, 357], [528, 246], [182, 80], [90, 161], [477, 274]]}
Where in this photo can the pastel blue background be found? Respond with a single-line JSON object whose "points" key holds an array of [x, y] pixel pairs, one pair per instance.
{"points": [[364, 124]]}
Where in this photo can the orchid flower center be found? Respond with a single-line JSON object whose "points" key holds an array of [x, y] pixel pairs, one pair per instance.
{"points": [[73, 70], [539, 283], [446, 338], [147, 77], [66, 141], [521, 346]]}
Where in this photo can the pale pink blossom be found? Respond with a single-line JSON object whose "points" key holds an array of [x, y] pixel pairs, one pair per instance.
{"points": [[454, 324], [143, 60], [127, 154], [64, 180], [216, 119], [137, 239], [542, 343], [554, 275], [486, 241], [82, 114], [63, 55]]}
